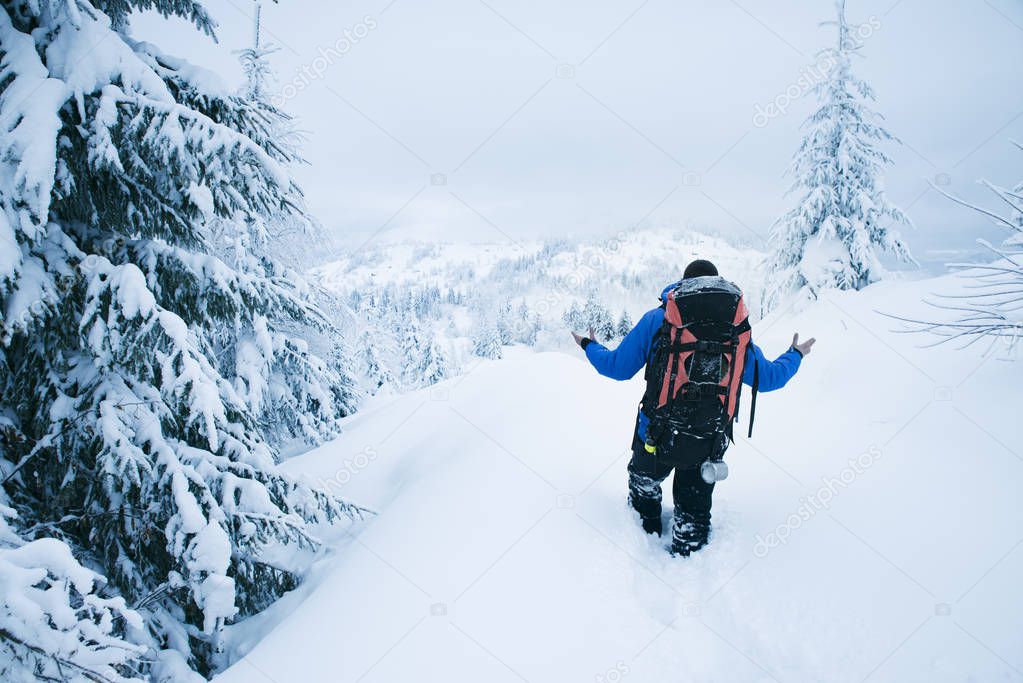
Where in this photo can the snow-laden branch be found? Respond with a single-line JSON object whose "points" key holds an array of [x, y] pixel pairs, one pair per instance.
{"points": [[990, 305]]}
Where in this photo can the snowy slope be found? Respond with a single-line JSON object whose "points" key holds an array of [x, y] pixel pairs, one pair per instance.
{"points": [[547, 277], [436, 262], [504, 550]]}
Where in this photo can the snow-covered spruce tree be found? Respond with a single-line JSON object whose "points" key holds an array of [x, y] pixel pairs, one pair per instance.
{"points": [[506, 324], [527, 325], [259, 74], [423, 362], [597, 318], [379, 360], [374, 367], [832, 237], [295, 240], [236, 238], [411, 344], [624, 325], [294, 373], [574, 318], [433, 364], [138, 443], [54, 625], [991, 305], [331, 341], [486, 342]]}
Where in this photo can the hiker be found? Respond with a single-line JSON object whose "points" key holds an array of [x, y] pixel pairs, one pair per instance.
{"points": [[689, 345]]}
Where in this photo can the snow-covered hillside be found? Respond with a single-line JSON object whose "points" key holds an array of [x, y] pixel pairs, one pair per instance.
{"points": [[626, 269], [417, 312], [870, 530]]}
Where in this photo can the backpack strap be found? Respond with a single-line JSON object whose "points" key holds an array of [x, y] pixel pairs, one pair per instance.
{"points": [[753, 400], [740, 339]]}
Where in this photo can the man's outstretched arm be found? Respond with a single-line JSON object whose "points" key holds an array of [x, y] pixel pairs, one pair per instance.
{"points": [[774, 374], [625, 361]]}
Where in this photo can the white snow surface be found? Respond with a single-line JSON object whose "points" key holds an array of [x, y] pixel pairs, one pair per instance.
{"points": [[504, 549]]}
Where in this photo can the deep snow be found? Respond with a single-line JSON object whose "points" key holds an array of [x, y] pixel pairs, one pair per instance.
{"points": [[504, 549]]}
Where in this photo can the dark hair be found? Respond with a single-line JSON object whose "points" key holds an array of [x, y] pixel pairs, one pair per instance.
{"points": [[699, 268]]}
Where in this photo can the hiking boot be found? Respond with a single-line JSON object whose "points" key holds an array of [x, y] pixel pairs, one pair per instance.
{"points": [[649, 510], [684, 548], [652, 525], [687, 537]]}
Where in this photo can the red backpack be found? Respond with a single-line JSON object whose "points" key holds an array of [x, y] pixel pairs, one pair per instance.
{"points": [[694, 376]]}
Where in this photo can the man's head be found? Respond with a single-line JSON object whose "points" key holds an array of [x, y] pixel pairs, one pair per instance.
{"points": [[699, 268]]}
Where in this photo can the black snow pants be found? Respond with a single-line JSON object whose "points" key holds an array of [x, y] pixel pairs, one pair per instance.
{"points": [[692, 494]]}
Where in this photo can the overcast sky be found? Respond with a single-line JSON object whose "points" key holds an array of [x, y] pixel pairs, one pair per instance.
{"points": [[509, 120]]}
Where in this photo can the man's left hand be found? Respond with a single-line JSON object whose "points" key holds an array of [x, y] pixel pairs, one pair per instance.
{"points": [[804, 348]]}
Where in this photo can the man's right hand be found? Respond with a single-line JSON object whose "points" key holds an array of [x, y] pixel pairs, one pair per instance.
{"points": [[579, 338]]}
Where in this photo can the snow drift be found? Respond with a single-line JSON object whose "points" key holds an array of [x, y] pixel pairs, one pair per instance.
{"points": [[870, 530]]}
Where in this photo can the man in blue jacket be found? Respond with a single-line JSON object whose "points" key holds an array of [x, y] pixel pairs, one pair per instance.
{"points": [[647, 469]]}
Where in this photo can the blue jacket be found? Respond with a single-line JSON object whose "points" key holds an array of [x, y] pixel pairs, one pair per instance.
{"points": [[634, 351]]}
